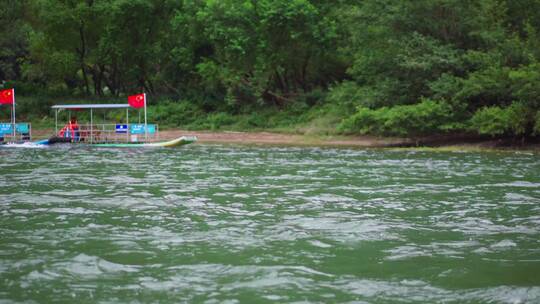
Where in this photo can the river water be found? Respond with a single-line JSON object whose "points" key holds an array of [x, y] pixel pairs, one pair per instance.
{"points": [[239, 224]]}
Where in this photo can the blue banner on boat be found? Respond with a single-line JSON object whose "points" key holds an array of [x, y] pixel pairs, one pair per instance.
{"points": [[139, 128], [6, 128], [121, 128], [22, 128]]}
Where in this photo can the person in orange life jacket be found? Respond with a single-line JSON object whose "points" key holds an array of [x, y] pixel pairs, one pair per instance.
{"points": [[70, 130]]}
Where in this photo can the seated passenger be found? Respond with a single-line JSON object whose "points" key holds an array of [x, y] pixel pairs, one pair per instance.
{"points": [[70, 130]]}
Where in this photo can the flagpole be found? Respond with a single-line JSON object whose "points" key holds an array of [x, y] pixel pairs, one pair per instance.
{"points": [[14, 131], [11, 116], [127, 125], [145, 124]]}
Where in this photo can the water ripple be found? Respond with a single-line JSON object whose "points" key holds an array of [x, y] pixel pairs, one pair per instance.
{"points": [[228, 224]]}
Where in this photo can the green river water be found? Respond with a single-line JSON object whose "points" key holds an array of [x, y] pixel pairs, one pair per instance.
{"points": [[240, 224]]}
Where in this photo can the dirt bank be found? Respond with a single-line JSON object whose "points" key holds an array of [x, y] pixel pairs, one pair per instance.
{"points": [[281, 139], [457, 140], [468, 141]]}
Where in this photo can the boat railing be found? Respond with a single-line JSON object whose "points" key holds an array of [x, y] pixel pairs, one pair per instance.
{"points": [[23, 132], [113, 133]]}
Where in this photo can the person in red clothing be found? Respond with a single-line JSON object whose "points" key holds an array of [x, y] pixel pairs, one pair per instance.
{"points": [[70, 130]]}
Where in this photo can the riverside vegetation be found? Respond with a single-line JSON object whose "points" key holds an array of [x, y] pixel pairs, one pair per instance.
{"points": [[378, 67]]}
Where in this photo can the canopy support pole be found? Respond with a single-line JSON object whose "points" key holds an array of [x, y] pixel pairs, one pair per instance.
{"points": [[13, 116], [91, 126], [145, 124], [127, 124], [56, 122], [11, 119]]}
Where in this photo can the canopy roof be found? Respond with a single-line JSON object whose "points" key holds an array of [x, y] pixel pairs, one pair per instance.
{"points": [[92, 106]]}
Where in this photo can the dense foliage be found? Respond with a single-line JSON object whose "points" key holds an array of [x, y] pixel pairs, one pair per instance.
{"points": [[382, 67]]}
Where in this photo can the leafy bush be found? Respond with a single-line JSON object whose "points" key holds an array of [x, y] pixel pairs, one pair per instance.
{"points": [[490, 120], [425, 117], [175, 113], [365, 121], [349, 94], [519, 118], [258, 120], [219, 119], [514, 119], [537, 123]]}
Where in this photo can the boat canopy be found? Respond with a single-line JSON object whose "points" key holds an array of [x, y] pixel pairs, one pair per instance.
{"points": [[92, 106]]}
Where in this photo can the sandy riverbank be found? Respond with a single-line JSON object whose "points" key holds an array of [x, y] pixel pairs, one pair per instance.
{"points": [[270, 138], [262, 138], [280, 139]]}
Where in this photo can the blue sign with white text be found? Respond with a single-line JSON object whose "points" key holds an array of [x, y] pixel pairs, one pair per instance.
{"points": [[121, 128], [6, 128], [23, 128], [139, 129]]}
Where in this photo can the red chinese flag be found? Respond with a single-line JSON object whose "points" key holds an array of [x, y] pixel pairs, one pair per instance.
{"points": [[7, 96], [137, 101]]}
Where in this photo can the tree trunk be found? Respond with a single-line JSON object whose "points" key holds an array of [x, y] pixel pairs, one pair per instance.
{"points": [[82, 55]]}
